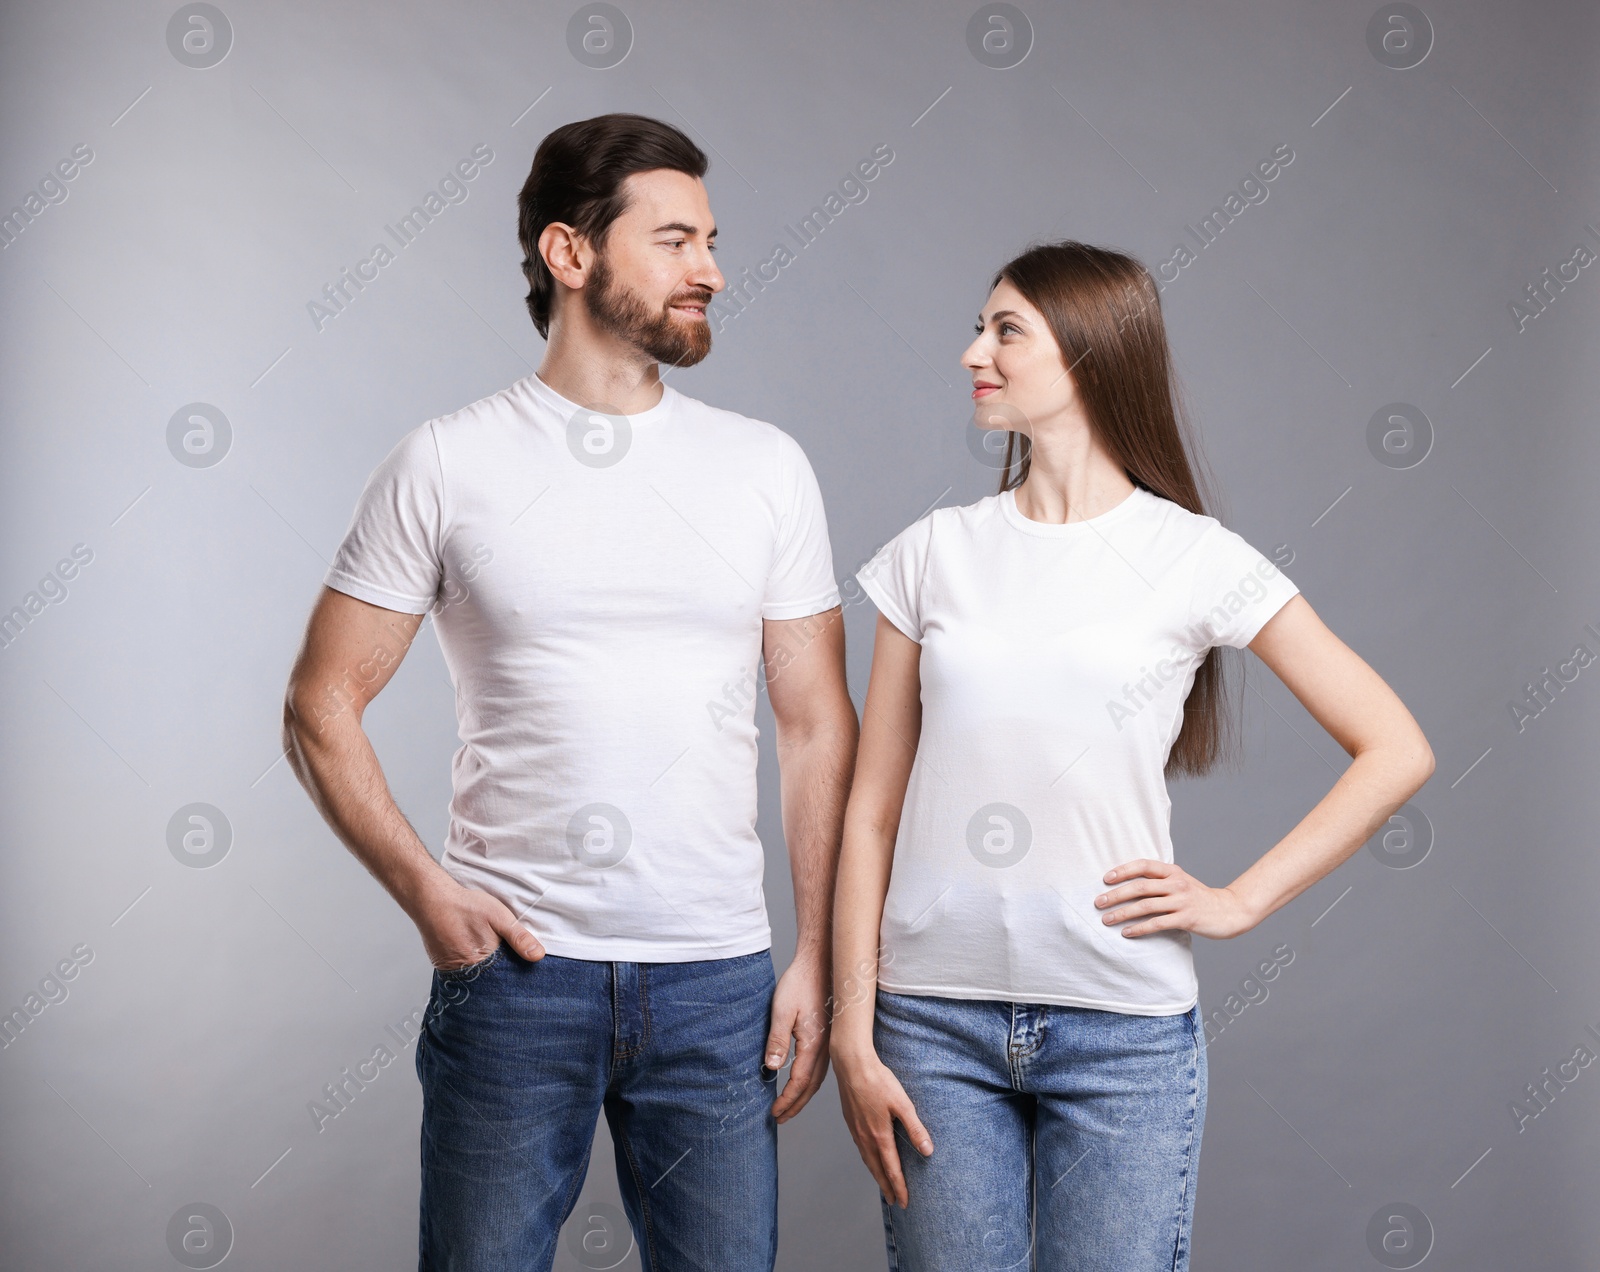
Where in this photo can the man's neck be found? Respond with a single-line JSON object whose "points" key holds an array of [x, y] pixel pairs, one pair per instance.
{"points": [[593, 369]]}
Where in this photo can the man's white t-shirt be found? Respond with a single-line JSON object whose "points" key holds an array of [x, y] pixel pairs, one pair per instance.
{"points": [[1055, 662], [598, 585]]}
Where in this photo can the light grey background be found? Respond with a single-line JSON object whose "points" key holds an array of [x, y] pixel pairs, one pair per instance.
{"points": [[1382, 1065]]}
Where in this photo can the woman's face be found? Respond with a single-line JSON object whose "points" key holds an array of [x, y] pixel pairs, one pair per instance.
{"points": [[1018, 376]]}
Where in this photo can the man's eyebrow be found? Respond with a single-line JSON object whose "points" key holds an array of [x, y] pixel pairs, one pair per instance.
{"points": [[682, 228]]}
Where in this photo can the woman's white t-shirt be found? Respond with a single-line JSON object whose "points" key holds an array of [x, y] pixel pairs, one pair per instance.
{"points": [[1055, 663]]}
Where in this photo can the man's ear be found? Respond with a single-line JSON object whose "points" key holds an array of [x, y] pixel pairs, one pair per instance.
{"points": [[566, 254]]}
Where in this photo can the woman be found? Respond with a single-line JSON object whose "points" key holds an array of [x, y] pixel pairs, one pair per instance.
{"points": [[1043, 658]]}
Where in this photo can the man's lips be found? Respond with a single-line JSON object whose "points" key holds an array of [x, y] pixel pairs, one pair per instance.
{"points": [[697, 308]]}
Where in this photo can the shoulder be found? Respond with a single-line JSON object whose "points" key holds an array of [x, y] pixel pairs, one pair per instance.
{"points": [[967, 517], [756, 449], [1178, 531], [488, 417], [1216, 556], [946, 525], [414, 455], [735, 428], [1175, 517]]}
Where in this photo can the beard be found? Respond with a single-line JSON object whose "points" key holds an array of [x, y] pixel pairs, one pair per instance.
{"points": [[663, 336]]}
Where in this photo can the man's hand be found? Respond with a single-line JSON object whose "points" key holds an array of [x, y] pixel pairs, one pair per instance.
{"points": [[799, 1011], [461, 926]]}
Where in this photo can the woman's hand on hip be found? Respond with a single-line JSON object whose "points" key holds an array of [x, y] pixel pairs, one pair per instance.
{"points": [[1163, 896]]}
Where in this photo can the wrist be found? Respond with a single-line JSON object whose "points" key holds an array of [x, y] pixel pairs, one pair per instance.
{"points": [[851, 1026], [812, 952], [1249, 906], [421, 887], [851, 1051]]}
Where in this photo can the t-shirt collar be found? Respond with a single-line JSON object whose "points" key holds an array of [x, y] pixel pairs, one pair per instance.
{"points": [[567, 408], [1066, 529]]}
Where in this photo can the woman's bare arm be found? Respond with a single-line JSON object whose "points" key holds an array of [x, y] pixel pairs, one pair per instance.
{"points": [[871, 1096], [1391, 760]]}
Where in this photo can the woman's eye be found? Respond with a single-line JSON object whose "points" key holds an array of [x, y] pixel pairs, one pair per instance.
{"points": [[978, 327]]}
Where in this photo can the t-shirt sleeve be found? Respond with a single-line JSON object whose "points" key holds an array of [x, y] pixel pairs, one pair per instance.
{"points": [[801, 581], [893, 577], [1236, 590], [391, 554]]}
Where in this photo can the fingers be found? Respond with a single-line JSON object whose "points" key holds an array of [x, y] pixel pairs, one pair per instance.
{"points": [[1141, 887], [1164, 904], [875, 1132], [871, 1155], [777, 1050], [1129, 892], [1158, 924], [805, 1080], [517, 936], [789, 1098], [891, 1180], [775, 1056], [916, 1132], [1141, 866]]}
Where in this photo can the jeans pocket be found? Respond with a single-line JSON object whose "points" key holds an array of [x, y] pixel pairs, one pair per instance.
{"points": [[472, 970]]}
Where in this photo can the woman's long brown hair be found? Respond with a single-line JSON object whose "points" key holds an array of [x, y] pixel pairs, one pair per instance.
{"points": [[1104, 311]]}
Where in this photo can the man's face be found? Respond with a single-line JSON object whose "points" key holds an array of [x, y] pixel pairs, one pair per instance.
{"points": [[653, 275]]}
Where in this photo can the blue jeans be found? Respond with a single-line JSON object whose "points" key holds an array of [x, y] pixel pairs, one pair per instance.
{"points": [[1064, 1138], [517, 1060]]}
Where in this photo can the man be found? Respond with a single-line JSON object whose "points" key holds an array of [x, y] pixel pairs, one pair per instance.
{"points": [[607, 560]]}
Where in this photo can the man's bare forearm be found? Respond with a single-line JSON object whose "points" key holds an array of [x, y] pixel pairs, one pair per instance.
{"points": [[815, 783], [335, 762]]}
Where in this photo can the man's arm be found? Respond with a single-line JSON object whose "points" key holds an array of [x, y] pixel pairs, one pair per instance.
{"points": [[350, 652], [816, 736]]}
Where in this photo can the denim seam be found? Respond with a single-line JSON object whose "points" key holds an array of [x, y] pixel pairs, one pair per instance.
{"points": [[573, 1190], [644, 1203], [1016, 1054], [616, 1003], [644, 1005], [1180, 1237], [644, 1019], [888, 1234], [1013, 1068]]}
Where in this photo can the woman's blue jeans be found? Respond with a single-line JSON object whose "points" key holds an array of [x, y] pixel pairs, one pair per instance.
{"points": [[1064, 1138], [517, 1061]]}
